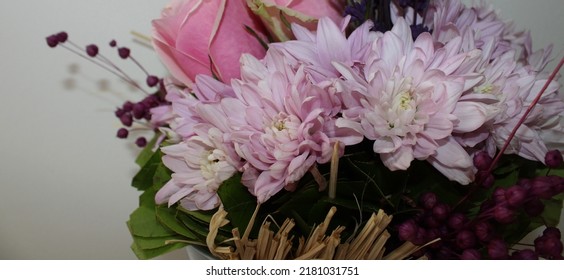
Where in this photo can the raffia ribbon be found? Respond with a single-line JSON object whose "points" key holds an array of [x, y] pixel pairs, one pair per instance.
{"points": [[368, 244]]}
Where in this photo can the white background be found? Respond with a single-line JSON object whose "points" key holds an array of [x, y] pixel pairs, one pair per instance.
{"points": [[64, 177]]}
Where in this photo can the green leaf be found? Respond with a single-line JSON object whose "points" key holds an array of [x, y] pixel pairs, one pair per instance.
{"points": [[144, 178], [169, 219], [154, 242], [147, 152], [201, 230], [204, 216], [237, 201], [145, 254], [143, 222], [162, 176]]}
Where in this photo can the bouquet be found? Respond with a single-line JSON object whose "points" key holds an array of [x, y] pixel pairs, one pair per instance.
{"points": [[360, 129]]}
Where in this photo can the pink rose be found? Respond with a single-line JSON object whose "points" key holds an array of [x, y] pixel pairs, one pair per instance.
{"points": [[303, 12], [195, 36]]}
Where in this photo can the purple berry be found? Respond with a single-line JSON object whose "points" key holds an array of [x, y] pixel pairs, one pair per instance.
{"points": [[515, 195], [407, 231], [499, 195], [119, 112], [482, 160], [457, 221], [552, 232], [465, 239], [92, 50], [553, 159], [497, 249], [62, 37], [428, 200], [122, 133], [128, 106], [126, 120], [503, 214], [542, 187], [441, 211], [124, 52], [526, 254], [113, 43], [484, 231], [431, 222], [534, 207], [138, 110], [470, 254], [152, 80], [52, 41], [141, 142], [548, 246]]}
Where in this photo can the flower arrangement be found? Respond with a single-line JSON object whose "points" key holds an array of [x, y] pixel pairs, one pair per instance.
{"points": [[344, 130]]}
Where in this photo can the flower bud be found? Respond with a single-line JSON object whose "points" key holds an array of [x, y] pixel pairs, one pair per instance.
{"points": [[126, 119], [92, 50], [441, 211], [542, 187], [141, 142], [552, 232], [482, 160], [503, 214], [428, 200], [526, 254], [548, 246], [465, 239], [124, 52], [484, 231], [534, 207], [553, 159], [408, 230], [122, 133], [470, 254], [499, 195], [515, 195], [497, 249], [457, 221]]}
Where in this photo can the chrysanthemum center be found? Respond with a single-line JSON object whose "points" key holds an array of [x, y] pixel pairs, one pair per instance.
{"points": [[487, 88], [208, 163], [279, 125]]}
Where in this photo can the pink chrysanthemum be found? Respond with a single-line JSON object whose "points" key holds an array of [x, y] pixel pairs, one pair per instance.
{"points": [[317, 50], [408, 101], [285, 124], [451, 19], [199, 165]]}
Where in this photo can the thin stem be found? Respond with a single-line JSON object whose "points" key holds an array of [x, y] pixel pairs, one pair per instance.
{"points": [[103, 64]]}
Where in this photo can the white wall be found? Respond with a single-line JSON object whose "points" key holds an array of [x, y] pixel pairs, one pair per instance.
{"points": [[64, 177]]}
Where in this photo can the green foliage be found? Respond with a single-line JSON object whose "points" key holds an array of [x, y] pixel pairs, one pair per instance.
{"points": [[237, 201]]}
